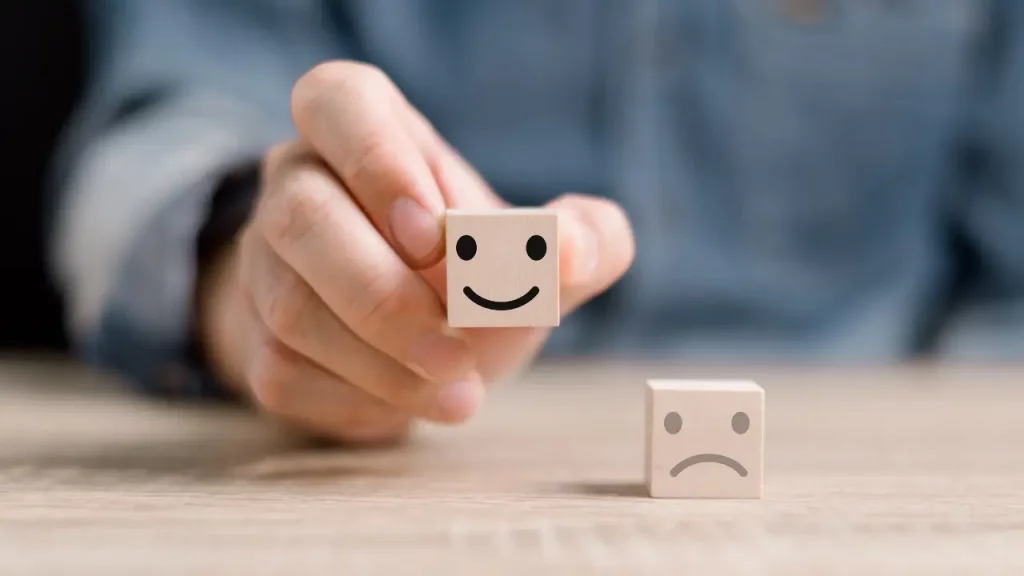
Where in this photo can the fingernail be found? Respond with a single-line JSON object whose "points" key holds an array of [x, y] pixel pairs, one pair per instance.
{"points": [[460, 400], [442, 358], [415, 229]]}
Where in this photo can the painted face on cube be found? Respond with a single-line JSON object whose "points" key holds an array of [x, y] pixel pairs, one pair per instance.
{"points": [[502, 268], [706, 439], [740, 425]]}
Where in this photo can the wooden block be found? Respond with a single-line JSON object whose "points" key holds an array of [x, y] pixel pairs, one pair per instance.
{"points": [[502, 267], [705, 439]]}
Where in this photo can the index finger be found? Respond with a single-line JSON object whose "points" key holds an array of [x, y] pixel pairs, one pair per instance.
{"points": [[347, 112]]}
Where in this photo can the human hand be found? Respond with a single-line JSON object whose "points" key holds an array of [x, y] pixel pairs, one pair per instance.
{"points": [[329, 311]]}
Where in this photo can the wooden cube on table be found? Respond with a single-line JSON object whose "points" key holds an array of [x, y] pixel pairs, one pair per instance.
{"points": [[705, 439]]}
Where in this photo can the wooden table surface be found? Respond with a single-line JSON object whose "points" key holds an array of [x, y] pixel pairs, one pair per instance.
{"points": [[915, 470]]}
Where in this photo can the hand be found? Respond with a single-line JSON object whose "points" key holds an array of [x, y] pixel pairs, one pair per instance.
{"points": [[330, 310]]}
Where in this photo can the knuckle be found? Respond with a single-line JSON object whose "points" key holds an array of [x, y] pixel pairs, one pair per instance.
{"points": [[310, 91], [298, 207], [322, 83], [288, 306], [371, 158], [270, 376], [381, 299]]}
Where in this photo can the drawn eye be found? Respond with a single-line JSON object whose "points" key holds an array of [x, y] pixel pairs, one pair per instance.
{"points": [[465, 247], [673, 422], [536, 247], [740, 422]]}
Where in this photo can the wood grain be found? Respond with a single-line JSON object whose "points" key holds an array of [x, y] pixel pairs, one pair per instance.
{"points": [[905, 470]]}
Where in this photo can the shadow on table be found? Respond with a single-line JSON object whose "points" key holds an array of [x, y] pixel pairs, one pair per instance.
{"points": [[604, 489], [260, 460]]}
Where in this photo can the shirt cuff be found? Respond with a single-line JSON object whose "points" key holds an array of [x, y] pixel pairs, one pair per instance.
{"points": [[989, 331], [143, 205], [164, 358]]}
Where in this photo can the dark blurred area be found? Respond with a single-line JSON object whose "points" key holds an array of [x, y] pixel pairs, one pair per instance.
{"points": [[42, 54]]}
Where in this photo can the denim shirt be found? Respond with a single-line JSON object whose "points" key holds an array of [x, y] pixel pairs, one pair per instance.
{"points": [[807, 179]]}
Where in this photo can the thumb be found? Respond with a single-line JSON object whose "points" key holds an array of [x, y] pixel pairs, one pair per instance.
{"points": [[596, 247]]}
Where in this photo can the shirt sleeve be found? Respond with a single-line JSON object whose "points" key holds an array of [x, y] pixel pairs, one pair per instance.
{"points": [[987, 321], [182, 98]]}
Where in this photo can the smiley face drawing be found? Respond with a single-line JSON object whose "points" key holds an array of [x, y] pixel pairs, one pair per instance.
{"points": [[502, 267], [705, 438]]}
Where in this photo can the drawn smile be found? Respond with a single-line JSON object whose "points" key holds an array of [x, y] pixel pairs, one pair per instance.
{"points": [[714, 458], [508, 305]]}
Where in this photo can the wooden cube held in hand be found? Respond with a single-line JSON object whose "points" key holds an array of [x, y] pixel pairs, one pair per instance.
{"points": [[502, 267]]}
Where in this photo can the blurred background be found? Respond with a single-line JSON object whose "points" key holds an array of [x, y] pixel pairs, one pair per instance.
{"points": [[41, 57]]}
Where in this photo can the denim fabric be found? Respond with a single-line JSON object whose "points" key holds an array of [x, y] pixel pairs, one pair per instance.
{"points": [[815, 179]]}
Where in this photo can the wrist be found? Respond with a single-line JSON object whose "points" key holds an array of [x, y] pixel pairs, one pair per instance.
{"points": [[219, 312], [219, 298]]}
